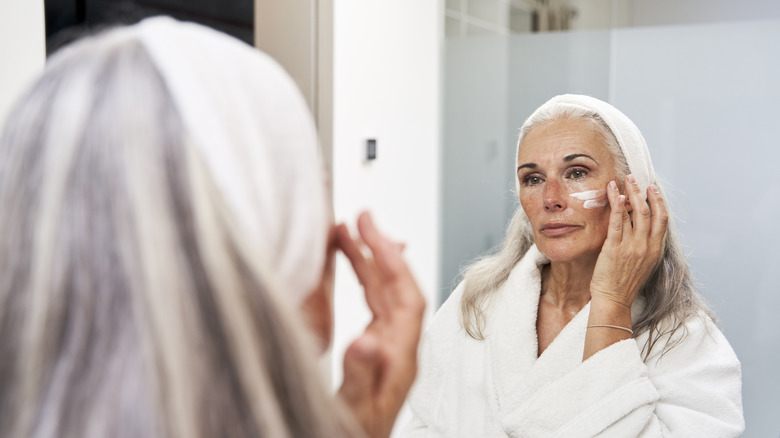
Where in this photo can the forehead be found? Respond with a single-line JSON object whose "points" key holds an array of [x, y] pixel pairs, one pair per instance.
{"points": [[559, 138]]}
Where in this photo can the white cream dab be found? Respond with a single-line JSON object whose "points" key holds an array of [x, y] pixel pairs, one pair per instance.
{"points": [[592, 198]]}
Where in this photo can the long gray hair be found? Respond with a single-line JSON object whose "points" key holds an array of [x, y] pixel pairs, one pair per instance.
{"points": [[130, 303], [669, 291]]}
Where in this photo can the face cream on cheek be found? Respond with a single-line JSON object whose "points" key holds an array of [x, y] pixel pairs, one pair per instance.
{"points": [[592, 198]]}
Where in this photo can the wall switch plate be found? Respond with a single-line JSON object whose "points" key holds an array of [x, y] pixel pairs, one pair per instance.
{"points": [[371, 149]]}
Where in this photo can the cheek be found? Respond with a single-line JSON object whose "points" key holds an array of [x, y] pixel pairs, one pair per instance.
{"points": [[599, 221], [530, 200]]}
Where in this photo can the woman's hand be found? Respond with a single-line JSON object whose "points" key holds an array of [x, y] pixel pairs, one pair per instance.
{"points": [[380, 366], [631, 251], [628, 257]]}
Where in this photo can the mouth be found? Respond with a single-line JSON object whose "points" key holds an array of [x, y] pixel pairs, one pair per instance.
{"points": [[552, 230]]}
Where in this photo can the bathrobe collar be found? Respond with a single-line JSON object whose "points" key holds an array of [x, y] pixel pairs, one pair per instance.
{"points": [[512, 338]]}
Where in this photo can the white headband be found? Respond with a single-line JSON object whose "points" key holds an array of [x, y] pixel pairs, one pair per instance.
{"points": [[247, 118], [627, 134]]}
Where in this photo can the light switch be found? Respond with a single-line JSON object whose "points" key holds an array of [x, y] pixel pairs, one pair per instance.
{"points": [[371, 149]]}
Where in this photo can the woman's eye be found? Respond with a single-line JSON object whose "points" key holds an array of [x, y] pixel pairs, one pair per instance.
{"points": [[533, 180], [577, 173]]}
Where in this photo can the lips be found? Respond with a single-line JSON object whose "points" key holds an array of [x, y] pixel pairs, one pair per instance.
{"points": [[557, 229]]}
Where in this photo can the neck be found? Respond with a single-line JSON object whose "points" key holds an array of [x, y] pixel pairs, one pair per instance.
{"points": [[566, 285]]}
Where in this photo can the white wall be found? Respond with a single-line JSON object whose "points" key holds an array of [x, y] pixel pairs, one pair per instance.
{"points": [[665, 12], [299, 35], [603, 14], [386, 85], [22, 48], [286, 30]]}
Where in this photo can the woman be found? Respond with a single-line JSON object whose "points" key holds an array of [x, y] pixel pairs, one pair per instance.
{"points": [[165, 230], [586, 323]]}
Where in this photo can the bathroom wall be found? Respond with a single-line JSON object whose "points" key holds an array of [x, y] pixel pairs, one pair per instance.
{"points": [[22, 48]]}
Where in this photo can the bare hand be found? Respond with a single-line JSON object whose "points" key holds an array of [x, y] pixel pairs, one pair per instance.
{"points": [[380, 366], [631, 251]]}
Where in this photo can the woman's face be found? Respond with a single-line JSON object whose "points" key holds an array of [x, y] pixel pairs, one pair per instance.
{"points": [[564, 167]]}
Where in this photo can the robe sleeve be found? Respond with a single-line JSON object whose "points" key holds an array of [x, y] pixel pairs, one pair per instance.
{"points": [[421, 395], [417, 429], [430, 391], [694, 389]]}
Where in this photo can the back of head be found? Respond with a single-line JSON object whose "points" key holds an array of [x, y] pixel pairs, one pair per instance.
{"points": [[161, 195]]}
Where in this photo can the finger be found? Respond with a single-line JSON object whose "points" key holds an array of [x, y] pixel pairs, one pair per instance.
{"points": [[660, 220], [363, 270], [362, 372], [641, 215], [628, 225], [617, 209], [387, 256]]}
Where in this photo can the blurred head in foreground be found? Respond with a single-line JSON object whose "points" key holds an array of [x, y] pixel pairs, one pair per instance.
{"points": [[164, 213]]}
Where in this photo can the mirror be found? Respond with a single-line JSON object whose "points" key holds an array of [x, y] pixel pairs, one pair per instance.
{"points": [[698, 78]]}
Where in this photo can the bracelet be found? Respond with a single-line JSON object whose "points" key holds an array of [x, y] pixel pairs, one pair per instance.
{"points": [[614, 327]]}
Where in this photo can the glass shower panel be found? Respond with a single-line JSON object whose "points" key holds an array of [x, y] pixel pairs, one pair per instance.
{"points": [[492, 83], [474, 169], [706, 98], [543, 65]]}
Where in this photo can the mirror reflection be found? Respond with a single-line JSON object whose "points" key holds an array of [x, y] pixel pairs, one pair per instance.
{"points": [[699, 81]]}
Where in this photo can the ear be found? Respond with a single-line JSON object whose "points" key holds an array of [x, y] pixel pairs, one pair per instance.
{"points": [[317, 307]]}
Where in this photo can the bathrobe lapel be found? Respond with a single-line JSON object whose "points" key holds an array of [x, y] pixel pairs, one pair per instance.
{"points": [[517, 371]]}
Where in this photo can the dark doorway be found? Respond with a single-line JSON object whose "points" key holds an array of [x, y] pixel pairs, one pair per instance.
{"points": [[67, 20]]}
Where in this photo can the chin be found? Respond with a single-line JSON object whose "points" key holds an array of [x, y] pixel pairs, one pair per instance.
{"points": [[563, 251]]}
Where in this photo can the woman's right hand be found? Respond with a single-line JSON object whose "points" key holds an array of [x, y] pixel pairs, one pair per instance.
{"points": [[633, 246], [380, 366], [630, 253]]}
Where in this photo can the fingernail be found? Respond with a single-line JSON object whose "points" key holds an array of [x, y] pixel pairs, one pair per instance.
{"points": [[654, 189], [631, 179], [613, 185], [621, 200]]}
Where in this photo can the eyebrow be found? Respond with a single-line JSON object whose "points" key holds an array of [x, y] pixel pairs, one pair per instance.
{"points": [[573, 156], [566, 159], [529, 165]]}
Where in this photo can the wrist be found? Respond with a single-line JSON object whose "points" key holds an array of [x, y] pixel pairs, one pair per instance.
{"points": [[605, 311], [609, 302]]}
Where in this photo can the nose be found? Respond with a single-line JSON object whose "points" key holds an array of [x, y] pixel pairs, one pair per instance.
{"points": [[554, 196]]}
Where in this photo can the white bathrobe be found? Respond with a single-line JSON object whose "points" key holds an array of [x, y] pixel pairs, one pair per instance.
{"points": [[498, 387]]}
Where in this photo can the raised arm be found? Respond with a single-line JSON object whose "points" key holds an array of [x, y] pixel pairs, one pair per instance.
{"points": [[380, 366]]}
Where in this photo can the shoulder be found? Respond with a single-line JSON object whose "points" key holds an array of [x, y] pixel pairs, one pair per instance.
{"points": [[698, 340], [446, 322], [521, 284]]}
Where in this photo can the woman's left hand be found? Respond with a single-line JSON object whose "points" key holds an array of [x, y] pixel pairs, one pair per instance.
{"points": [[631, 250]]}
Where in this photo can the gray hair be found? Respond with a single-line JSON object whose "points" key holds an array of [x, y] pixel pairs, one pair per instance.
{"points": [[129, 304], [670, 294]]}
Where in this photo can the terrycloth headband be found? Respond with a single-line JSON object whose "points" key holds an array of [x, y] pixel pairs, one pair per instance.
{"points": [[245, 116], [627, 134]]}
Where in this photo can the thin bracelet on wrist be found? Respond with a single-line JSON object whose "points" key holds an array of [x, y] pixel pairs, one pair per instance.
{"points": [[614, 327]]}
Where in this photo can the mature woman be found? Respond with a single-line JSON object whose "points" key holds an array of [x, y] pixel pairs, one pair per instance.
{"points": [[164, 221], [586, 323]]}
